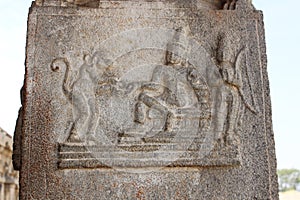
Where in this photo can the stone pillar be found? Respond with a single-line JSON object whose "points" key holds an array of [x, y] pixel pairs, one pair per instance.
{"points": [[145, 100]]}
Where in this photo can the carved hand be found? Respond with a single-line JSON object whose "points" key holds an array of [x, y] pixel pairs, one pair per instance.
{"points": [[227, 71], [193, 75], [103, 89]]}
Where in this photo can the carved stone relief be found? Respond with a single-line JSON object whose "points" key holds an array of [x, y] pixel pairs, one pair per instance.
{"points": [[81, 93], [184, 112], [161, 99]]}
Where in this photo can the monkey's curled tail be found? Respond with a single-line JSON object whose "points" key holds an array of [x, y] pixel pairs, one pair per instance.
{"points": [[56, 66]]}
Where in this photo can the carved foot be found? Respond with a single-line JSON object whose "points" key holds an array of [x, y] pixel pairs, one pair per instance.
{"points": [[230, 139], [170, 124], [132, 135], [90, 139], [137, 130], [74, 138], [221, 142]]}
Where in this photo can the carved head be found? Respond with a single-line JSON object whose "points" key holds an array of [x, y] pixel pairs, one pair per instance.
{"points": [[175, 59], [97, 60]]}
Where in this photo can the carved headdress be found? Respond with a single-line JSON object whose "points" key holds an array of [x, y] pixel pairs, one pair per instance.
{"points": [[180, 43]]}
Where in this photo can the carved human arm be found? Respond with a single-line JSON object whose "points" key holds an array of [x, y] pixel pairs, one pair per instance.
{"points": [[156, 84], [151, 86]]}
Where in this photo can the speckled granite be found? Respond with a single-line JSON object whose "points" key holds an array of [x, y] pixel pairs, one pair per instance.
{"points": [[145, 100]]}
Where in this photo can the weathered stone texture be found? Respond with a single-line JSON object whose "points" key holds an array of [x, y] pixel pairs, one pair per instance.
{"points": [[146, 100]]}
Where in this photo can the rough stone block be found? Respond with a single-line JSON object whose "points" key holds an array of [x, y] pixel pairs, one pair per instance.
{"points": [[145, 100]]}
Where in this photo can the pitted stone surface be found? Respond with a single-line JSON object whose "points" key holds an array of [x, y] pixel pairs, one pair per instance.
{"points": [[145, 100]]}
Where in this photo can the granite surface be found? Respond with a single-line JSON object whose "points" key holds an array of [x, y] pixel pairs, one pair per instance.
{"points": [[145, 100]]}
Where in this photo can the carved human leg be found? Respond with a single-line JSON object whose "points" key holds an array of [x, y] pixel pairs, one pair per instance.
{"points": [[146, 102], [151, 102], [233, 116], [93, 119], [81, 115], [139, 113], [219, 113]]}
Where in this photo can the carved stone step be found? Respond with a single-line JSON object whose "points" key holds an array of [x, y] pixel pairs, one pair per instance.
{"points": [[144, 147], [108, 162], [139, 163], [144, 144], [124, 154]]}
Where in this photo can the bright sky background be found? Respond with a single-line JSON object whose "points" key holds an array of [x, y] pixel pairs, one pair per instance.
{"points": [[283, 39]]}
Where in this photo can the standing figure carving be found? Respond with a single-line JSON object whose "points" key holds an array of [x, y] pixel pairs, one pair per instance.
{"points": [[81, 93], [232, 101]]}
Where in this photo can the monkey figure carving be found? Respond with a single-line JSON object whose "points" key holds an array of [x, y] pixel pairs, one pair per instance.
{"points": [[81, 94]]}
